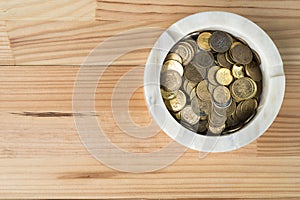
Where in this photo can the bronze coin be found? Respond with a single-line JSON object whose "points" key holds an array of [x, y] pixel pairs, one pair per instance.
{"points": [[222, 60], [252, 69], [228, 57], [246, 108], [220, 41], [241, 53], [256, 57], [193, 73], [203, 59]]}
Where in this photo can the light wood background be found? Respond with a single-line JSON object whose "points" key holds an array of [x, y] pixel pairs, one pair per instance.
{"points": [[42, 45]]}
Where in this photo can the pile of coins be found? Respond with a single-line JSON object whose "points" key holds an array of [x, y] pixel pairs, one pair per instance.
{"points": [[211, 82]]}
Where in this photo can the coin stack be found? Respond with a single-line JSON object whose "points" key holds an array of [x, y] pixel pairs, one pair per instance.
{"points": [[211, 82]]}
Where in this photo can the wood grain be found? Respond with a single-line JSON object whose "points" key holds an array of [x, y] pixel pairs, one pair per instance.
{"points": [[62, 10], [69, 43], [42, 47], [124, 10], [6, 56]]}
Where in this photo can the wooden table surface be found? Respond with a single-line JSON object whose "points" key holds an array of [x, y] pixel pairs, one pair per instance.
{"points": [[43, 44]]}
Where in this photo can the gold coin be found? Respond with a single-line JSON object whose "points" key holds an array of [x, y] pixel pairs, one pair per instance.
{"points": [[211, 75], [223, 76], [231, 109], [250, 104], [200, 107], [222, 97], [241, 53], [170, 80], [216, 130], [202, 91], [245, 109], [190, 86], [238, 71], [168, 95], [222, 61], [188, 116], [174, 56], [243, 88], [240, 114], [178, 103], [173, 65], [193, 93], [203, 41], [253, 71], [228, 58]]}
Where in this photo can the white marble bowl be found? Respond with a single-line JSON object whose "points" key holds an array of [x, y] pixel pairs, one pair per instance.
{"points": [[272, 70]]}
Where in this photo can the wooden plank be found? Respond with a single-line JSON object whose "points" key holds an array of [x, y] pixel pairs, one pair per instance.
{"points": [[69, 43], [62, 10], [44, 94], [73, 177], [6, 55], [124, 10], [43, 44]]}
